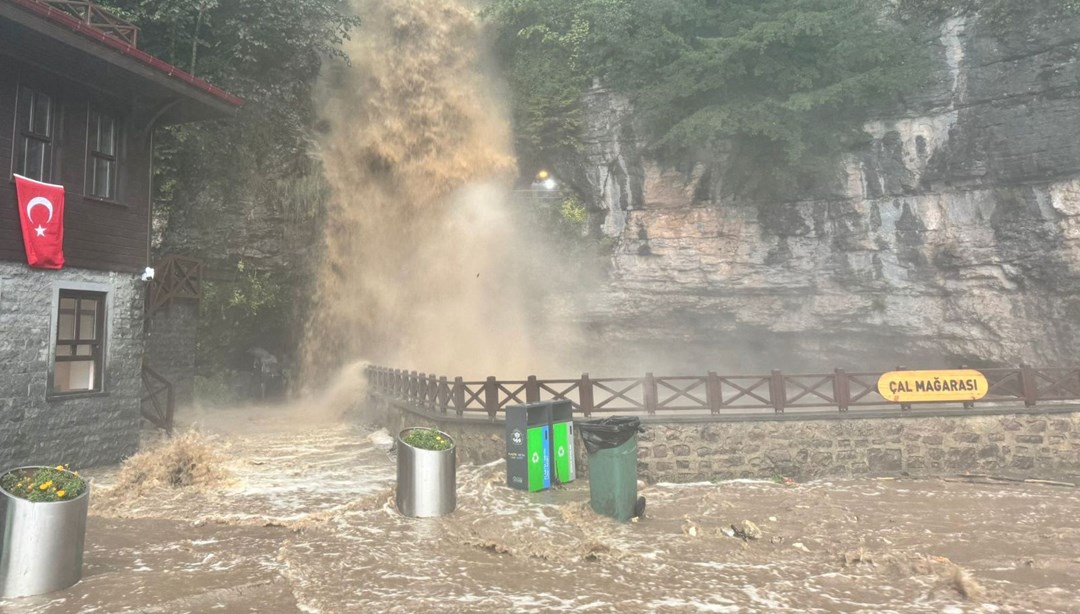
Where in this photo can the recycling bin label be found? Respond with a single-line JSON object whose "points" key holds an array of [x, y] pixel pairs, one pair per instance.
{"points": [[563, 437]]}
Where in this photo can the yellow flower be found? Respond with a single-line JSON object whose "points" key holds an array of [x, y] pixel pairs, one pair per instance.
{"points": [[45, 486], [59, 467], [60, 493]]}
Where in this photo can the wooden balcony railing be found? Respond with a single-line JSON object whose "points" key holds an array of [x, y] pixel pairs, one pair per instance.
{"points": [[97, 18]]}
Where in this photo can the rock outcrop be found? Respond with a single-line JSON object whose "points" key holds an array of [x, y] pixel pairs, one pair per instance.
{"points": [[955, 239]]}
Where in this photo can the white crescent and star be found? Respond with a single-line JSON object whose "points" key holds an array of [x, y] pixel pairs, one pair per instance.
{"points": [[39, 201]]}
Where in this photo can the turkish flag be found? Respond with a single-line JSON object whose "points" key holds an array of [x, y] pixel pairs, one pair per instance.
{"points": [[41, 210]]}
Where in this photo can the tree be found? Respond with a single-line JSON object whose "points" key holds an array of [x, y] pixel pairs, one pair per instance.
{"points": [[785, 85], [245, 193]]}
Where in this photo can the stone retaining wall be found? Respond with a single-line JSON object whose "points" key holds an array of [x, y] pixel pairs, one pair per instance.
{"points": [[170, 347], [1019, 443]]}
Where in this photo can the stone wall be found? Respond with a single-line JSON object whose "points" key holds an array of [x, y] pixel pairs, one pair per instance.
{"points": [[83, 431], [170, 347], [1013, 445], [1044, 444]]}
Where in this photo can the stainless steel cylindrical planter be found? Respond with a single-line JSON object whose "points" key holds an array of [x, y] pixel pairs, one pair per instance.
{"points": [[426, 479], [41, 544]]}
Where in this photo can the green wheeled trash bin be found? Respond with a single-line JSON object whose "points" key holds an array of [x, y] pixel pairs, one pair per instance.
{"points": [[612, 447]]}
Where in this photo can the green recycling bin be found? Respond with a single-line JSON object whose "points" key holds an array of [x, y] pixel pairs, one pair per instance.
{"points": [[611, 444]]}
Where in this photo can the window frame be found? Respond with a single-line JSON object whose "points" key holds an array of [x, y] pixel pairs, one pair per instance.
{"points": [[25, 134], [99, 346], [93, 154]]}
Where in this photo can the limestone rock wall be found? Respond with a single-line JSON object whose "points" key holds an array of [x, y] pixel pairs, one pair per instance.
{"points": [[953, 238]]}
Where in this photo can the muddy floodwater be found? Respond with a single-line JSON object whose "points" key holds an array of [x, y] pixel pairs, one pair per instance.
{"points": [[306, 523]]}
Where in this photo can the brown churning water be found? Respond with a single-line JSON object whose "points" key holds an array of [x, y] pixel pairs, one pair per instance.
{"points": [[422, 265]]}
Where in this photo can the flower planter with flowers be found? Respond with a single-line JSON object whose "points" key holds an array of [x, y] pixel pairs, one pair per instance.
{"points": [[42, 529], [426, 473]]}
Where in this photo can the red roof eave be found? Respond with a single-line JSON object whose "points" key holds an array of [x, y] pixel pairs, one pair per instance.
{"points": [[62, 18]]}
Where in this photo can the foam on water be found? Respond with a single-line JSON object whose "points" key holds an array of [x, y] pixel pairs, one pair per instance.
{"points": [[307, 523]]}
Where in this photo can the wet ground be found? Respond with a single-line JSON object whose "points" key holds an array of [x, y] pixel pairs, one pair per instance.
{"points": [[307, 523]]}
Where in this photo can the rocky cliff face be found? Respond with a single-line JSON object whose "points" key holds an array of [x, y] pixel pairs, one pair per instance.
{"points": [[955, 238]]}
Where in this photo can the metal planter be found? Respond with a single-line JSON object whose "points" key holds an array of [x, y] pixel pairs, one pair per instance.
{"points": [[426, 479], [41, 544]]}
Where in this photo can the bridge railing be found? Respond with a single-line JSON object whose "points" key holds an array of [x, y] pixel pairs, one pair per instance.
{"points": [[709, 394]]}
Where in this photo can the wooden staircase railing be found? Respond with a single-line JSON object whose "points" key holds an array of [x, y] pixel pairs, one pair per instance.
{"points": [[175, 277], [159, 400]]}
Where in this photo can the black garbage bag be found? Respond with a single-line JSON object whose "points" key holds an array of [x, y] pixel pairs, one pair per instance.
{"points": [[608, 433]]}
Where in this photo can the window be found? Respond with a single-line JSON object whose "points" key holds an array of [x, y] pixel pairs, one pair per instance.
{"points": [[35, 134], [80, 329], [102, 142]]}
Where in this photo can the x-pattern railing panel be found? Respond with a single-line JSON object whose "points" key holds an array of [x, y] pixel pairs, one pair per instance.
{"points": [[617, 394], [682, 392], [474, 395], [861, 387], [1007, 383], [1063, 384], [563, 395], [811, 389], [516, 394], [747, 391]]}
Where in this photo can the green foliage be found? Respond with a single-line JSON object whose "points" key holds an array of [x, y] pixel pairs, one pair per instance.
{"points": [[44, 484], [234, 312], [549, 48], [786, 85], [574, 213], [428, 439], [211, 178]]}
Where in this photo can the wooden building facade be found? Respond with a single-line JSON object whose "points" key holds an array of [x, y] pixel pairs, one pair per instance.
{"points": [[79, 103]]}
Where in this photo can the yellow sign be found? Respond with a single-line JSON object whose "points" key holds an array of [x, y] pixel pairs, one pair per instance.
{"points": [[922, 386]]}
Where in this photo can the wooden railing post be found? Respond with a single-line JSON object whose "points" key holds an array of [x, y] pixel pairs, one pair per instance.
{"points": [[532, 390], [395, 384], [585, 395], [903, 406], [650, 395], [841, 389], [414, 386], [1029, 386], [777, 391], [713, 393], [459, 396], [491, 397], [170, 409], [421, 390], [433, 391], [443, 395]]}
